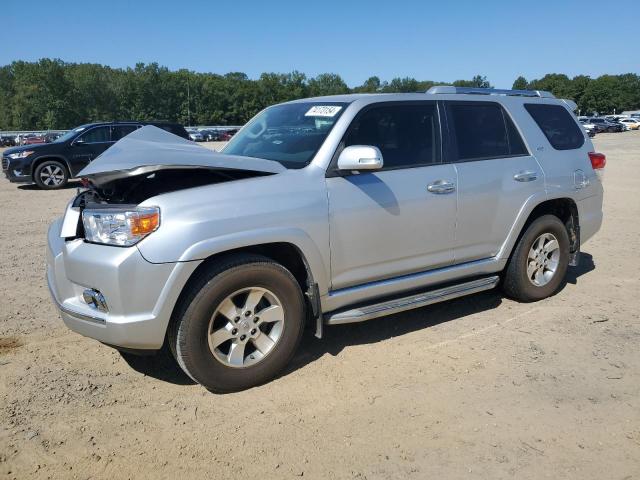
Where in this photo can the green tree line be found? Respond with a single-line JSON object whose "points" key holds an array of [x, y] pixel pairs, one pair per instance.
{"points": [[605, 94], [52, 94]]}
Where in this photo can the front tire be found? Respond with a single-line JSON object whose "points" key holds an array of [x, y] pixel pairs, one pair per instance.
{"points": [[539, 263], [50, 175], [239, 323]]}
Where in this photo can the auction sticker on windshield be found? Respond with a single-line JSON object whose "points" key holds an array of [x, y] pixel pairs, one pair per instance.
{"points": [[323, 111]]}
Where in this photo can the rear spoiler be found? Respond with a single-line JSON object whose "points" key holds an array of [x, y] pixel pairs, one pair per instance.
{"points": [[570, 104]]}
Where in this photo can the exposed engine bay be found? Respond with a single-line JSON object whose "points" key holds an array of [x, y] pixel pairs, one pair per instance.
{"points": [[134, 189]]}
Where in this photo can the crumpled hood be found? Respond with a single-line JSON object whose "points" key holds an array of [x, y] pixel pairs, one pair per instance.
{"points": [[150, 148]]}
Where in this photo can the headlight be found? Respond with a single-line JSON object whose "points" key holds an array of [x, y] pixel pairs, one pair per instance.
{"points": [[17, 155], [119, 226]]}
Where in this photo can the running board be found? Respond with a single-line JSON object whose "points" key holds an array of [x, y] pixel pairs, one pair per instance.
{"points": [[397, 305]]}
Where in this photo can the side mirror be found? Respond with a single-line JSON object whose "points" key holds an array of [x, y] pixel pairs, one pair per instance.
{"points": [[360, 157], [78, 141]]}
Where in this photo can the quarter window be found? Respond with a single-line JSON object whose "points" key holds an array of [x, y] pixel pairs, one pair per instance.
{"points": [[405, 134], [558, 125], [484, 130], [97, 135]]}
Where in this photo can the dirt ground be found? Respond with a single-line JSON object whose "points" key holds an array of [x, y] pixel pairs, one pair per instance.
{"points": [[481, 387]]}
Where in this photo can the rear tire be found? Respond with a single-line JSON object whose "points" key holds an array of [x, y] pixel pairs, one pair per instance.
{"points": [[538, 264], [239, 323], [50, 175]]}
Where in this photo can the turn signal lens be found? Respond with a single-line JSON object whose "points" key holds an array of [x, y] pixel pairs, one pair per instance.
{"points": [[145, 223]]}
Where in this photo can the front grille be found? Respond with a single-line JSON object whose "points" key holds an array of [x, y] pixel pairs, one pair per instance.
{"points": [[5, 164]]}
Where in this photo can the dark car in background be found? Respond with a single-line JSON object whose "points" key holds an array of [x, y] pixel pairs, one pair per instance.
{"points": [[210, 135], [51, 165], [605, 125], [7, 141]]}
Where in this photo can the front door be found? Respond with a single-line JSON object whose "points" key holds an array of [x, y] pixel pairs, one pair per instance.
{"points": [[89, 145], [401, 219]]}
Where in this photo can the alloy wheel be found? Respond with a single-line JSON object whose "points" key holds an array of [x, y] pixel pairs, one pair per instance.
{"points": [[245, 327], [543, 259], [52, 175]]}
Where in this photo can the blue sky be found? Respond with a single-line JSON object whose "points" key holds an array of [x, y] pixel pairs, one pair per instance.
{"points": [[356, 39]]}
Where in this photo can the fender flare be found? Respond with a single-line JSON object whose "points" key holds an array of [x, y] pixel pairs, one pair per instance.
{"points": [[307, 248], [523, 215]]}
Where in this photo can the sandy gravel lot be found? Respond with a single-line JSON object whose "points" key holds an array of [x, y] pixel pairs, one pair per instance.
{"points": [[481, 387]]}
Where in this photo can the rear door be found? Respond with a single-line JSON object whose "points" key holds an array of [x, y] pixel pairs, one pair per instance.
{"points": [[496, 176], [401, 219], [563, 151]]}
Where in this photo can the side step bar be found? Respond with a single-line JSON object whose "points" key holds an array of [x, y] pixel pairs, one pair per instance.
{"points": [[397, 305]]}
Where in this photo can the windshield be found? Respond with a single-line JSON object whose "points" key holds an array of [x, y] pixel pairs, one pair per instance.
{"points": [[290, 133], [70, 134]]}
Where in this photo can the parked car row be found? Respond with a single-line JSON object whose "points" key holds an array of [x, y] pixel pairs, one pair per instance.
{"points": [[211, 134], [51, 165], [13, 140], [610, 123], [195, 134]]}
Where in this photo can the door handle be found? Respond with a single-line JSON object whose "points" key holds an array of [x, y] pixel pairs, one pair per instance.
{"points": [[441, 186], [527, 176]]}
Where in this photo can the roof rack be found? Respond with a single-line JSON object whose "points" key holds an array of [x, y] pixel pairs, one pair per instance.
{"points": [[444, 89]]}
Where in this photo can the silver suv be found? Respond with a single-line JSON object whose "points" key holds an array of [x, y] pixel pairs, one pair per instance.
{"points": [[322, 211]]}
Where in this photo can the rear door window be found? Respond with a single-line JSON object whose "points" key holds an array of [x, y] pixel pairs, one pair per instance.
{"points": [[483, 130], [97, 135], [121, 131], [558, 125], [406, 134]]}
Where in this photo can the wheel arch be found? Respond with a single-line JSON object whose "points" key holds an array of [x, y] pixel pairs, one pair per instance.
{"points": [[565, 208], [44, 158], [284, 253]]}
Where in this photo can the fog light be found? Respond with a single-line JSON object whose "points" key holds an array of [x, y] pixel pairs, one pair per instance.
{"points": [[95, 299]]}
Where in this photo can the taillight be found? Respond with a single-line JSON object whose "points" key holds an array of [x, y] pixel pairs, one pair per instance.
{"points": [[598, 160]]}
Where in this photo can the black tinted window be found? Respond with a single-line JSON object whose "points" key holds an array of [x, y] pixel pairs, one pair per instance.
{"points": [[558, 125], [97, 135], [120, 131], [516, 145], [405, 134], [483, 130]]}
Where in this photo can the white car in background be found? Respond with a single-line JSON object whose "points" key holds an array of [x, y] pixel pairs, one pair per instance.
{"points": [[589, 127], [630, 123], [195, 135]]}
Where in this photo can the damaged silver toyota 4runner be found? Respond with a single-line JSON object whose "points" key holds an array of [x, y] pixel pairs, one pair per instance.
{"points": [[323, 211]]}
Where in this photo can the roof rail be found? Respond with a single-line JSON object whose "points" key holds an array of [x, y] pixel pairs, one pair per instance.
{"points": [[444, 89]]}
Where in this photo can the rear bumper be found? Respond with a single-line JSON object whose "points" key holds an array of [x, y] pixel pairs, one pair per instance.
{"points": [[590, 215], [140, 295]]}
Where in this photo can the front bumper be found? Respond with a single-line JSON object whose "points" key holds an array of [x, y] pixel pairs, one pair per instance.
{"points": [[140, 295], [14, 173]]}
